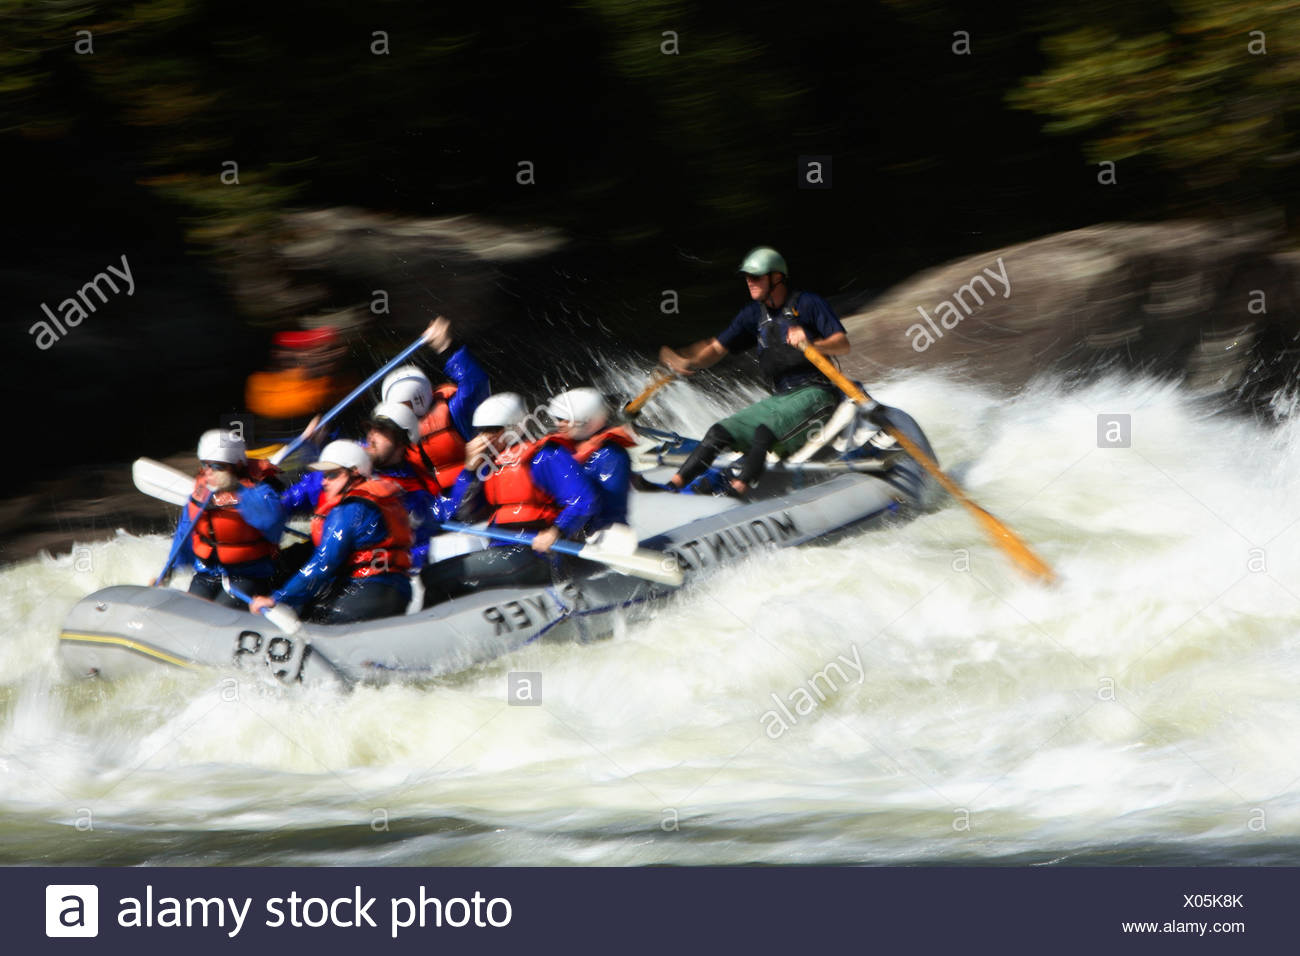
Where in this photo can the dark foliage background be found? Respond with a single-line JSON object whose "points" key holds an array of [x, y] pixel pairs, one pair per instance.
{"points": [[665, 138]]}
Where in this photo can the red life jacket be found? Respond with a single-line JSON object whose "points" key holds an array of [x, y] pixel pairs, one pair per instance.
{"points": [[516, 500], [222, 530], [589, 446], [440, 441], [395, 548], [420, 480], [260, 469]]}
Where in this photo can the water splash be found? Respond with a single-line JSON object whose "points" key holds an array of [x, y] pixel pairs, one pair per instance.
{"points": [[1143, 710]]}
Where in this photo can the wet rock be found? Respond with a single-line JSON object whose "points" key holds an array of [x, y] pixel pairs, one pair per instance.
{"points": [[1211, 303], [333, 261]]}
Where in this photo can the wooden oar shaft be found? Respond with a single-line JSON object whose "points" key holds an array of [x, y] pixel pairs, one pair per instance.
{"points": [[1010, 543], [660, 379]]}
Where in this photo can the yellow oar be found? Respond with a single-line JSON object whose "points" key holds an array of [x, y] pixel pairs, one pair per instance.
{"points": [[660, 378], [269, 451], [1003, 536], [266, 451]]}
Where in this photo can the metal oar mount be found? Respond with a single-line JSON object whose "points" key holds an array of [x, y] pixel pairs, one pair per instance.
{"points": [[1002, 536]]}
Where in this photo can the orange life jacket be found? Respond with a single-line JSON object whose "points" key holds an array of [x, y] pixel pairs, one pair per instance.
{"points": [[288, 393], [222, 530], [516, 500], [395, 548], [589, 446], [440, 441]]}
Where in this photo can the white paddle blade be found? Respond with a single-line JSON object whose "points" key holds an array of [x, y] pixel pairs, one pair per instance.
{"points": [[643, 563], [162, 481], [616, 539], [284, 618], [451, 544]]}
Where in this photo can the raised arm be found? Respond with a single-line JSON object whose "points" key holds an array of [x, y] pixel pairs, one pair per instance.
{"points": [[463, 368], [692, 358], [471, 388]]}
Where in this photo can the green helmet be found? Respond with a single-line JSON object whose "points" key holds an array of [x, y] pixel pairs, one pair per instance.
{"points": [[761, 260]]}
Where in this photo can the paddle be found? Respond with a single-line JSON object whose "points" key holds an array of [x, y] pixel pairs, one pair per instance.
{"points": [[1002, 536], [187, 526], [280, 615], [162, 481], [172, 486], [348, 399], [640, 562], [166, 483], [658, 380]]}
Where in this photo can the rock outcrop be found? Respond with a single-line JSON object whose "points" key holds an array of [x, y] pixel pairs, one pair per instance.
{"points": [[1213, 304], [333, 262]]}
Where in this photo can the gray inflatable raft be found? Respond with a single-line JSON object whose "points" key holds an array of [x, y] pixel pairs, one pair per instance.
{"points": [[124, 630]]}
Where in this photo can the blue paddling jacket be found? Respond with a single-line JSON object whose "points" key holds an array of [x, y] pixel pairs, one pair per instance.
{"points": [[349, 527], [303, 497], [605, 458]]}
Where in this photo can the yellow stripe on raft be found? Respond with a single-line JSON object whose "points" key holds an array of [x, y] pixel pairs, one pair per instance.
{"points": [[78, 638]]}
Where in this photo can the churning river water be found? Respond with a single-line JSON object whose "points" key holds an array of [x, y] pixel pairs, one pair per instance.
{"points": [[1144, 710]]}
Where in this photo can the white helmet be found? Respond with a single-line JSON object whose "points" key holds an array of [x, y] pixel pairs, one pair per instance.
{"points": [[500, 411], [399, 415], [342, 454], [584, 407], [409, 384], [217, 444]]}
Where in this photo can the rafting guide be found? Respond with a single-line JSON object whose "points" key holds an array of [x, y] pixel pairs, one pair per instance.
{"points": [[776, 320], [293, 911]]}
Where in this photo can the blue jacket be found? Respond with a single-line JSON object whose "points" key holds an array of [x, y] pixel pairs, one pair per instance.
{"points": [[471, 388], [610, 467], [756, 325], [303, 496], [553, 470], [349, 527], [420, 506], [260, 507]]}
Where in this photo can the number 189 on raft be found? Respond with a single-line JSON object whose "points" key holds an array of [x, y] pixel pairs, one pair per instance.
{"points": [[283, 656]]}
